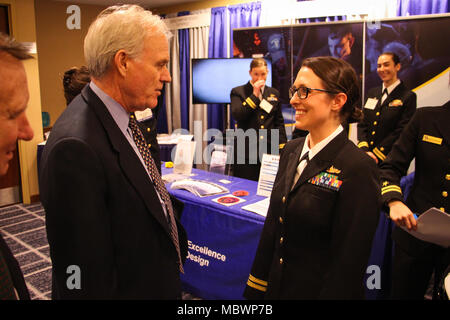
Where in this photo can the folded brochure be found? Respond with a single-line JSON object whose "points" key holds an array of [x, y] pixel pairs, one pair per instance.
{"points": [[200, 188]]}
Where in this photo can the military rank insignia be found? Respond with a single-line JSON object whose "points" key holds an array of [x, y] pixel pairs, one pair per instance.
{"points": [[396, 103], [333, 170], [326, 180]]}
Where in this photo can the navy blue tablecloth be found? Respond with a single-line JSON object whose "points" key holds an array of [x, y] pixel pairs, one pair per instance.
{"points": [[222, 240]]}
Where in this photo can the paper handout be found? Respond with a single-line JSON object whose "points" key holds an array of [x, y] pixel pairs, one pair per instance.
{"points": [[260, 207], [433, 226], [200, 188], [267, 174]]}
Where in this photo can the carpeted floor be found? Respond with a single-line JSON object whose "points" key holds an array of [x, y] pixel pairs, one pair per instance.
{"points": [[23, 228]]}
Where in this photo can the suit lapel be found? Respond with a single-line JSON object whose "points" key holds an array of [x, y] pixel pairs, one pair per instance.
{"points": [[323, 160], [128, 160], [292, 164]]}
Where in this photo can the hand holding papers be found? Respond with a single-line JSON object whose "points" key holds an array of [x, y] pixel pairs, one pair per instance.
{"points": [[433, 226]]}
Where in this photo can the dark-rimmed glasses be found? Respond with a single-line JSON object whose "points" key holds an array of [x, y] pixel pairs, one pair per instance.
{"points": [[302, 92]]}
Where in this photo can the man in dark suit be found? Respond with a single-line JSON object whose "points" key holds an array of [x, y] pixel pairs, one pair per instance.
{"points": [[387, 111], [256, 107], [112, 229], [14, 126]]}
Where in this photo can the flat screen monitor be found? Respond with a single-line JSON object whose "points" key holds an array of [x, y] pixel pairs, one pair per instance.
{"points": [[213, 79]]}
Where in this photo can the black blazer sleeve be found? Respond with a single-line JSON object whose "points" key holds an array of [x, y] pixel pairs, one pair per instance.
{"points": [[243, 106], [77, 218], [14, 270], [397, 163]]}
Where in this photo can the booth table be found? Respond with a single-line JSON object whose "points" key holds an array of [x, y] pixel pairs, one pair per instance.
{"points": [[222, 240]]}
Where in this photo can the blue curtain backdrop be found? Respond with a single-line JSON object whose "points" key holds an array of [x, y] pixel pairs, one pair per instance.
{"points": [[185, 76], [240, 16], [417, 7], [217, 48], [243, 16]]}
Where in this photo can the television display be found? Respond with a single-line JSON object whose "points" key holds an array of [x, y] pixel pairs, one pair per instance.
{"points": [[213, 79]]}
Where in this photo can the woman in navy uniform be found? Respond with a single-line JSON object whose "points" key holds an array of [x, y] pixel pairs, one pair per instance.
{"points": [[324, 206], [427, 138], [387, 111], [256, 106]]}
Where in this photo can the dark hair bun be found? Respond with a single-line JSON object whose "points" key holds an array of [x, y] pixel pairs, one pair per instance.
{"points": [[338, 75]]}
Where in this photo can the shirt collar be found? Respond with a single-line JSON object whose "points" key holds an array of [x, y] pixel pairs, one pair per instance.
{"points": [[119, 114], [319, 146], [391, 87]]}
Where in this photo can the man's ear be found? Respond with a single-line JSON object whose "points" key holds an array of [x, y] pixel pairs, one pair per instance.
{"points": [[338, 101], [121, 62]]}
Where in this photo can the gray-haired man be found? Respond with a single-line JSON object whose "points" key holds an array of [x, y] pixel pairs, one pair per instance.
{"points": [[112, 232], [14, 126]]}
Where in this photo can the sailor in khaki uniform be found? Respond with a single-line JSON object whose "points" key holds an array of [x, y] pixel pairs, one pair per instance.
{"points": [[257, 107], [427, 138], [387, 110], [324, 206]]}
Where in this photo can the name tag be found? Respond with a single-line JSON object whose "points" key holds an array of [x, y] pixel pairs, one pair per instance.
{"points": [[265, 105], [371, 103], [432, 139], [143, 115]]}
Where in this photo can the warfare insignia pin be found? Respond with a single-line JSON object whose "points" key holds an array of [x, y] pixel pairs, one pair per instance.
{"points": [[333, 170]]}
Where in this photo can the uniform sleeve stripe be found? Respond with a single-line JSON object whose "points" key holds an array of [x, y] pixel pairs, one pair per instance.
{"points": [[250, 103], [363, 144], [255, 286], [391, 189], [258, 281], [379, 154]]}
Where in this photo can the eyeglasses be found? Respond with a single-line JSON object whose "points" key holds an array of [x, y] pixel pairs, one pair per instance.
{"points": [[302, 92]]}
